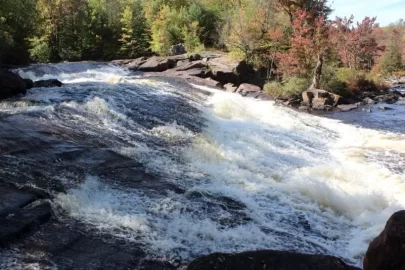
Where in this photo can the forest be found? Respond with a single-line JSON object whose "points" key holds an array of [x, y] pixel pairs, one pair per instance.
{"points": [[296, 42]]}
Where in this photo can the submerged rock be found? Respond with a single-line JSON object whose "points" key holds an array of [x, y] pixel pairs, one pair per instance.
{"points": [[29, 83], [268, 260], [347, 107], [11, 84], [48, 83], [386, 252]]}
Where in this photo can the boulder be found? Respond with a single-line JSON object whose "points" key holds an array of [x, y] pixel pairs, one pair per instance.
{"points": [[157, 64], [48, 83], [389, 98], [245, 88], [268, 260], [195, 57], [321, 103], [136, 63], [11, 84], [347, 107], [227, 70], [177, 49], [29, 83], [230, 87], [321, 97], [386, 252], [398, 94]]}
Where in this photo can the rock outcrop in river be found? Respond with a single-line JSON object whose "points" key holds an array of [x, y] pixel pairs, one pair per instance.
{"points": [[11, 84], [387, 251], [268, 260]]}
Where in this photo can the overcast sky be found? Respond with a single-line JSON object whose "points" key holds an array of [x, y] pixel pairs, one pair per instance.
{"points": [[387, 11]]}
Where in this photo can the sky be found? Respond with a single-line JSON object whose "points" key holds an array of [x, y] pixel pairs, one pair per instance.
{"points": [[386, 11]]}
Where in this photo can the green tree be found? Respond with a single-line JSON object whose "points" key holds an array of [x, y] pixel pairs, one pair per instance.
{"points": [[134, 37], [392, 58]]}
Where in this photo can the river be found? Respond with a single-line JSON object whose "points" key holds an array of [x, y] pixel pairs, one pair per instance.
{"points": [[184, 170]]}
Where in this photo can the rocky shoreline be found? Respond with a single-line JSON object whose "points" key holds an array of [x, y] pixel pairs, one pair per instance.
{"points": [[219, 71]]}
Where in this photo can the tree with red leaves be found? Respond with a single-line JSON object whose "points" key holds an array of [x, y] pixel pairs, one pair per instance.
{"points": [[357, 46], [310, 38]]}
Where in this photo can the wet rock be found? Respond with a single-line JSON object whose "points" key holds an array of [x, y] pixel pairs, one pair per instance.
{"points": [[252, 94], [11, 84], [12, 199], [268, 260], [303, 108], [22, 221], [29, 83], [293, 102], [121, 62], [347, 107], [384, 108], [230, 87], [65, 246], [389, 98], [136, 63], [401, 102], [397, 94], [321, 98], [48, 83], [245, 88], [157, 64], [177, 49], [386, 252], [361, 103], [369, 100]]}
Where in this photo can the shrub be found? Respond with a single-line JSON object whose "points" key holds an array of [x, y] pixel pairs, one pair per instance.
{"points": [[295, 85], [191, 39], [40, 50], [292, 86], [274, 89]]}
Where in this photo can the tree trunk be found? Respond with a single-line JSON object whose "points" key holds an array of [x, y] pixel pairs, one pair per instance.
{"points": [[316, 81]]}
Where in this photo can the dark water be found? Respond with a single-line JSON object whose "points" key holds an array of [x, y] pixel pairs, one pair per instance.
{"points": [[177, 170]]}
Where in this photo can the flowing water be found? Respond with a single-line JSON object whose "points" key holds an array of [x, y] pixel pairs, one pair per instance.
{"points": [[184, 170]]}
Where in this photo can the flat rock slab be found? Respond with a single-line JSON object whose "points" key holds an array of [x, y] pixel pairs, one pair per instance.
{"points": [[268, 260], [347, 108], [65, 246], [11, 199], [15, 225]]}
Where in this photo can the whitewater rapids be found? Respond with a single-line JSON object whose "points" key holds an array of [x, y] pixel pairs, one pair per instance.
{"points": [[234, 173]]}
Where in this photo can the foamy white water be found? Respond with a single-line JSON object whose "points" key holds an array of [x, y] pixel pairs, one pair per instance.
{"points": [[255, 176]]}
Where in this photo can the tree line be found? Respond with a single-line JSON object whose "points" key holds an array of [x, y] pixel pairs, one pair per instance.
{"points": [[293, 40]]}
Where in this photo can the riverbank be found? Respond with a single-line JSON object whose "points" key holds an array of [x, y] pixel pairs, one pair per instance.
{"points": [[231, 75]]}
